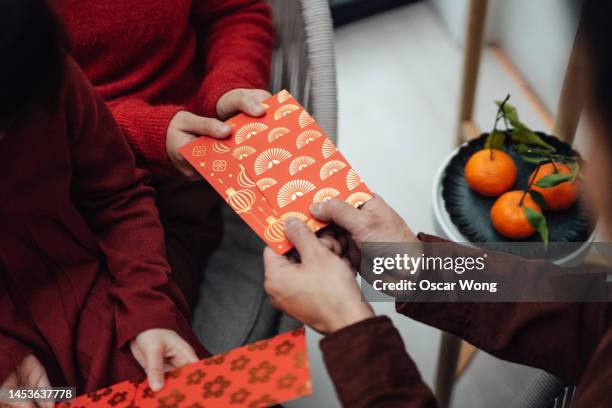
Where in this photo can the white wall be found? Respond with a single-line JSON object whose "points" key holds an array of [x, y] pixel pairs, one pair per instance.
{"points": [[536, 34]]}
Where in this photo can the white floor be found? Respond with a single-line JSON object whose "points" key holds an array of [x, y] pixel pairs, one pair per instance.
{"points": [[398, 77]]}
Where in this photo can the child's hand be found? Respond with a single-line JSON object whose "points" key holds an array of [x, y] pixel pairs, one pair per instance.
{"points": [[158, 351], [30, 373], [183, 128], [242, 100]]}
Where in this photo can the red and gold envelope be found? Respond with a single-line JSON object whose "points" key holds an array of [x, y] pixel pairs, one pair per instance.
{"points": [[274, 167], [261, 374]]}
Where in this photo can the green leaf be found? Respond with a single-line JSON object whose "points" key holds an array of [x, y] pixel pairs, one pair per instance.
{"points": [[553, 179], [537, 221], [510, 112], [574, 169], [539, 199], [527, 136], [535, 159], [495, 140], [523, 148]]}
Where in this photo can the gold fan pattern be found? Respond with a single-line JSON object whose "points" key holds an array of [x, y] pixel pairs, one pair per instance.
{"points": [[358, 199], [284, 96], [328, 149], [274, 167], [300, 163], [293, 190], [305, 119], [330, 168], [352, 180], [294, 214], [306, 137], [325, 194], [265, 183], [277, 133], [285, 110], [242, 152], [249, 130], [270, 158]]}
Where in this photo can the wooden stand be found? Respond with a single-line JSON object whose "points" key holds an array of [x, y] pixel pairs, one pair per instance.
{"points": [[455, 355]]}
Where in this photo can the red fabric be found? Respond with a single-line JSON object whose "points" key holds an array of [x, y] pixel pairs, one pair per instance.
{"points": [[82, 266], [261, 374], [570, 340], [150, 59]]}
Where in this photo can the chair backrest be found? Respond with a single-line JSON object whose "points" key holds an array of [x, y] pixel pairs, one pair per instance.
{"points": [[304, 61]]}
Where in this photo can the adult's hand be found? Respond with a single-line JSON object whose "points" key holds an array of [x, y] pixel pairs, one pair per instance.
{"points": [[30, 373], [242, 100], [374, 222], [158, 351], [320, 290], [185, 127]]}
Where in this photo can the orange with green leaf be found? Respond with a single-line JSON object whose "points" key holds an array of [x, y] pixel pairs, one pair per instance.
{"points": [[491, 172]]}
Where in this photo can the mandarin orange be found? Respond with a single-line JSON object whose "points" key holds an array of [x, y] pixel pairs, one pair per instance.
{"points": [[490, 172], [561, 196], [508, 215]]}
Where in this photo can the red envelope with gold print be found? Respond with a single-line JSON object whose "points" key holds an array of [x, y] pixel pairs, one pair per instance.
{"points": [[262, 374], [274, 167]]}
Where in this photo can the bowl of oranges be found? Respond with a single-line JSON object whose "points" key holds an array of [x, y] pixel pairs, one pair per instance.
{"points": [[514, 185]]}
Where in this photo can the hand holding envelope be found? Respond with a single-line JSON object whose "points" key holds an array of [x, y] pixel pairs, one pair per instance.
{"points": [[274, 167]]}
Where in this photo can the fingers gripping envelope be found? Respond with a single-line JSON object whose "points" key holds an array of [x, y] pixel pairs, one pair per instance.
{"points": [[261, 374], [274, 167]]}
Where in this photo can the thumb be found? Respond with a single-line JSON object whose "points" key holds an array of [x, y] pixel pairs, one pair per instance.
{"points": [[341, 213], [250, 105], [181, 352], [305, 241], [154, 366]]}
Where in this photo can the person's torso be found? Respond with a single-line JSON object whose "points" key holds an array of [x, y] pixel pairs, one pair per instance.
{"points": [[133, 48]]}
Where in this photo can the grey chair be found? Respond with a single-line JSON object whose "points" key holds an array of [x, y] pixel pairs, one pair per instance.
{"points": [[233, 309]]}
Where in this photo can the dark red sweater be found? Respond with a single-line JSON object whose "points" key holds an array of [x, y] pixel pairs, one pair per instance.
{"points": [[570, 340], [82, 266], [150, 59]]}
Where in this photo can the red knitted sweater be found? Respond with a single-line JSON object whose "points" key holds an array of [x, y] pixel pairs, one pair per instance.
{"points": [[150, 59]]}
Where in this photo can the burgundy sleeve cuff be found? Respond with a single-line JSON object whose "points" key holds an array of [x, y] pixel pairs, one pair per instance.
{"points": [[450, 317], [367, 363], [145, 127], [130, 322]]}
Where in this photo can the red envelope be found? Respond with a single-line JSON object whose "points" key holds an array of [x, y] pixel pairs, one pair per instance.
{"points": [[275, 167], [262, 374]]}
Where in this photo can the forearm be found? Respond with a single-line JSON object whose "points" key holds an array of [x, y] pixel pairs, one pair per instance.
{"points": [[369, 367], [521, 332], [237, 47], [145, 127]]}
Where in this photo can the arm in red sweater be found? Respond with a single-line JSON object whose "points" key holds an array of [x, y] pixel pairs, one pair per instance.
{"points": [[145, 127], [238, 38], [557, 337], [370, 368], [120, 210]]}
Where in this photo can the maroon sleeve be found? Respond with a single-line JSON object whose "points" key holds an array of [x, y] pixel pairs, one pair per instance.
{"points": [[370, 368], [238, 38], [557, 337], [120, 210]]}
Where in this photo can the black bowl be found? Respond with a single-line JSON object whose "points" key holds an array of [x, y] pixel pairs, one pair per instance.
{"points": [[469, 210]]}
